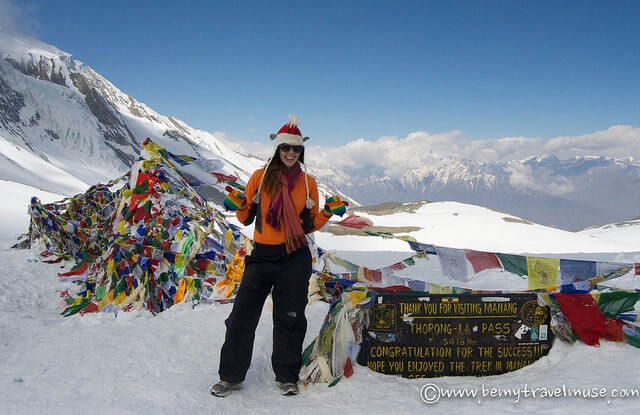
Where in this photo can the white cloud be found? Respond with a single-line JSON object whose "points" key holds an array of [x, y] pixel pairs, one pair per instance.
{"points": [[524, 176], [392, 154], [16, 19], [503, 149], [259, 150], [620, 141], [421, 149]]}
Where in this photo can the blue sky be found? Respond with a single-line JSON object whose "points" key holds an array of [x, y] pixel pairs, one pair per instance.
{"points": [[361, 69]]}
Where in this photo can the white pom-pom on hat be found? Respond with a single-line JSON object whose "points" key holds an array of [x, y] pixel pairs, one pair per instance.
{"points": [[289, 133]]}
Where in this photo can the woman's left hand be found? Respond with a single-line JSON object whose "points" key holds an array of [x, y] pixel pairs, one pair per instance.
{"points": [[335, 206]]}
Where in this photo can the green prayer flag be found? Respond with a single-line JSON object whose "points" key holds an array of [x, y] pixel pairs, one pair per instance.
{"points": [[612, 304], [515, 264], [164, 277], [306, 355], [335, 381], [122, 286], [633, 340], [69, 311], [101, 292]]}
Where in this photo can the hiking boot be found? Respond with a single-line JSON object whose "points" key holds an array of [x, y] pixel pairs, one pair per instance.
{"points": [[222, 388], [288, 388]]}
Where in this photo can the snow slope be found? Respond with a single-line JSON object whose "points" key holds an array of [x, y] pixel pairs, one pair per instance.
{"points": [[137, 363], [460, 225]]}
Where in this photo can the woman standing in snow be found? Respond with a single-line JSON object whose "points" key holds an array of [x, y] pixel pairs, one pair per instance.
{"points": [[283, 201]]}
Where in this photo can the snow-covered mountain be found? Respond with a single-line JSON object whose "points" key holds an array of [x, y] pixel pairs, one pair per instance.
{"points": [[569, 194], [64, 127]]}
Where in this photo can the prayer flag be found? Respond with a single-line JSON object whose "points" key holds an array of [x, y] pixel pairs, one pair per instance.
{"points": [[420, 247], [574, 270], [583, 314], [604, 268], [515, 264], [542, 272], [482, 260], [356, 222], [453, 262]]}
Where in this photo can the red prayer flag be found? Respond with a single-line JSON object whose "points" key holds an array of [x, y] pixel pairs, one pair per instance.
{"points": [[398, 266], [372, 275], [348, 368], [356, 222], [585, 317], [482, 260], [91, 308], [223, 177], [78, 269]]}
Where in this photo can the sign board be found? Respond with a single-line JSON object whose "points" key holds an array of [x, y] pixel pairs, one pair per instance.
{"points": [[419, 335]]}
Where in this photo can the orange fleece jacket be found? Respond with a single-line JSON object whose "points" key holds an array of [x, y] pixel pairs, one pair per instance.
{"points": [[270, 236]]}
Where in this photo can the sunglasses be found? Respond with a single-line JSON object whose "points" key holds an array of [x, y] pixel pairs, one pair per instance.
{"points": [[286, 147]]}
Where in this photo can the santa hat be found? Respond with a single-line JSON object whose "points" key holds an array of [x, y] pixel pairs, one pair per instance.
{"points": [[287, 134]]}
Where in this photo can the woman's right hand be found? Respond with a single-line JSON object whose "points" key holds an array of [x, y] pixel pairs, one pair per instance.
{"points": [[235, 200]]}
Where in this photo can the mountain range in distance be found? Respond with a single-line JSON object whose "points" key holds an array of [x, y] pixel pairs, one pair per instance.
{"points": [[590, 190]]}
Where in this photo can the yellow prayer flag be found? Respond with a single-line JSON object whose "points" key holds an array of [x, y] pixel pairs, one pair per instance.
{"points": [[440, 289], [122, 227], [106, 300], [357, 296], [180, 261], [120, 298], [111, 267], [542, 272], [152, 148]]}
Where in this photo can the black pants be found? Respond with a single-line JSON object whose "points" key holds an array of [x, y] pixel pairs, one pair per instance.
{"points": [[268, 269]]}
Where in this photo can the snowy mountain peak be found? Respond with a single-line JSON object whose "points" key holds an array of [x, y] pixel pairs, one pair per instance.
{"points": [[64, 127], [16, 45]]}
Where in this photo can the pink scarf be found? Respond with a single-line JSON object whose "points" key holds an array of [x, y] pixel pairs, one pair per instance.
{"points": [[283, 211]]}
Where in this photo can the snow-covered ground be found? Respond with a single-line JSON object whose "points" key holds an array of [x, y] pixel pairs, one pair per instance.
{"points": [[138, 363]]}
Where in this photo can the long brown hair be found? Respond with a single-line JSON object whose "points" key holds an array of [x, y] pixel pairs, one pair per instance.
{"points": [[272, 175], [275, 170]]}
